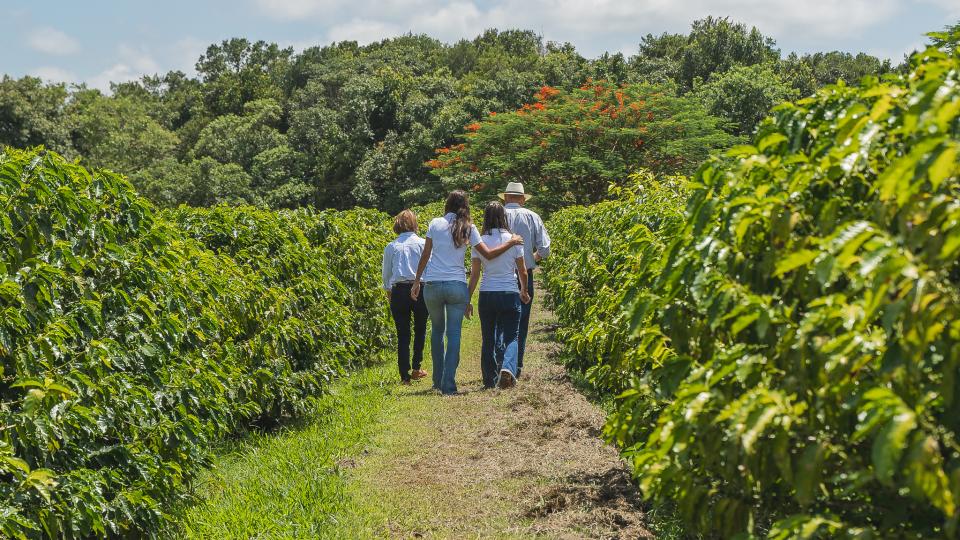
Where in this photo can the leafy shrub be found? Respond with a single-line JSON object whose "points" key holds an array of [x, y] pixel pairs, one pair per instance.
{"points": [[788, 366], [132, 340]]}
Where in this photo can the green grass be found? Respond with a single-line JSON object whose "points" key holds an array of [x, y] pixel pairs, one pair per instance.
{"points": [[292, 484]]}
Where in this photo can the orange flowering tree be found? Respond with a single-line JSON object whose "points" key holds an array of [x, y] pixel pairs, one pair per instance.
{"points": [[569, 146]]}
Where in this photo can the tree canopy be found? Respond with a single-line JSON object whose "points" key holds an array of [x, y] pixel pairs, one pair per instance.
{"points": [[342, 125]]}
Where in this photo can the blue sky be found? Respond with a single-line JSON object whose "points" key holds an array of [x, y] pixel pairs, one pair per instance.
{"points": [[98, 41]]}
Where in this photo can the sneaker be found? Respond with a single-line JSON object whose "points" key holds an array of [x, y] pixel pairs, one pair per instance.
{"points": [[418, 374], [506, 380]]}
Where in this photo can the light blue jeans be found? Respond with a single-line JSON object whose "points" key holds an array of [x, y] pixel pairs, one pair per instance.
{"points": [[446, 301]]}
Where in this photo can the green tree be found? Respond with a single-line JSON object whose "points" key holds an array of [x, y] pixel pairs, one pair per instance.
{"points": [[716, 45], [744, 95], [568, 146], [236, 72], [32, 114], [118, 132]]}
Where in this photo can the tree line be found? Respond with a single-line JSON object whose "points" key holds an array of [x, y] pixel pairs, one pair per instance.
{"points": [[343, 125]]}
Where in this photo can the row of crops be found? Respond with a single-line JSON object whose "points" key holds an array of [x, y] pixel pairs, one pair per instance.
{"points": [[781, 332], [132, 340]]}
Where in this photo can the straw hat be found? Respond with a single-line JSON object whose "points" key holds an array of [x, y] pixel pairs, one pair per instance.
{"points": [[515, 188]]}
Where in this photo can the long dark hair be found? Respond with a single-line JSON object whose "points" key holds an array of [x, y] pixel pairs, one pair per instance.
{"points": [[494, 217], [458, 204]]}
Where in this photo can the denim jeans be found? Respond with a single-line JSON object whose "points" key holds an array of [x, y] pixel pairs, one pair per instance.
{"points": [[500, 324], [403, 308], [446, 302], [524, 326]]}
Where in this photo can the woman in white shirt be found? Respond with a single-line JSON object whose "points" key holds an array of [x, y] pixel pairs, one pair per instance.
{"points": [[400, 260], [502, 290], [445, 283]]}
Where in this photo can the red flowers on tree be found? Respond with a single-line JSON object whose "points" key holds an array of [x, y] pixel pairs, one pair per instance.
{"points": [[569, 146]]}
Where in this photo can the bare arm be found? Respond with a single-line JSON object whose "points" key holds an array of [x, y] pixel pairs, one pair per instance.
{"points": [[522, 273], [489, 254], [424, 259], [475, 269]]}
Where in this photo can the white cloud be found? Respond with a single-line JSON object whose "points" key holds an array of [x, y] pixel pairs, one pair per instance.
{"points": [[186, 52], [132, 64], [53, 74], [297, 9], [612, 21], [952, 7], [362, 31], [52, 41]]}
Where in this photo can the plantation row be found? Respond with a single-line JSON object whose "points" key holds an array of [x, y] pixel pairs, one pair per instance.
{"points": [[131, 340], [781, 333]]}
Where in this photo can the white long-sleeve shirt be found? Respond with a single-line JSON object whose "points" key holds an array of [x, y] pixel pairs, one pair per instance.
{"points": [[529, 225], [401, 258]]}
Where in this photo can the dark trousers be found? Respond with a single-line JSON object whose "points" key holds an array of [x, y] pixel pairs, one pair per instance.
{"points": [[524, 325], [499, 323], [403, 309]]}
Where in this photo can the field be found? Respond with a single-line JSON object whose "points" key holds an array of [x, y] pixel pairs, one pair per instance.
{"points": [[766, 322]]}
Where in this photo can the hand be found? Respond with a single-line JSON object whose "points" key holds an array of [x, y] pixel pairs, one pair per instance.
{"points": [[516, 240], [537, 258], [468, 312], [525, 297], [415, 291]]}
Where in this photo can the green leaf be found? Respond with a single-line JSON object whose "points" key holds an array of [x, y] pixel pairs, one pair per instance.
{"points": [[795, 260], [889, 444]]}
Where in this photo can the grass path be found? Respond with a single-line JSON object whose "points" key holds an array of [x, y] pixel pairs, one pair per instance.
{"points": [[387, 461]]}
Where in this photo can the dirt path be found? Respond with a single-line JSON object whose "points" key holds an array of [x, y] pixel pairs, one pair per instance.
{"points": [[526, 462]]}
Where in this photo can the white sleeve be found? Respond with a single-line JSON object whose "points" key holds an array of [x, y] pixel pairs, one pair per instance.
{"points": [[543, 240], [430, 230], [387, 269]]}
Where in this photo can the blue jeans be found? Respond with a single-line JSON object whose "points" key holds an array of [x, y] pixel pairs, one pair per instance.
{"points": [[524, 326], [500, 324], [446, 302]]}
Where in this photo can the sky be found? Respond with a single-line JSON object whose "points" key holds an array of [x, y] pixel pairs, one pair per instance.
{"points": [[99, 41]]}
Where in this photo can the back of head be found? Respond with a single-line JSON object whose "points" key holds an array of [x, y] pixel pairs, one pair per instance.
{"points": [[458, 205], [494, 217], [516, 199], [405, 221]]}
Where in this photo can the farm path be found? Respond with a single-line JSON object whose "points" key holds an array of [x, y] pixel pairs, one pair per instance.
{"points": [[380, 460], [520, 463]]}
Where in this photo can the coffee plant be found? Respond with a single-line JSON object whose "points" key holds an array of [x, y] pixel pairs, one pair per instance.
{"points": [[784, 351], [131, 340]]}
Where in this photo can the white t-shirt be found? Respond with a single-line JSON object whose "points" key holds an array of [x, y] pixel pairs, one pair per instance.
{"points": [[446, 260], [499, 274]]}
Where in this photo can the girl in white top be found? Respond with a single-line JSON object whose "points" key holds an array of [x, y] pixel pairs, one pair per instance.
{"points": [[502, 290], [445, 283]]}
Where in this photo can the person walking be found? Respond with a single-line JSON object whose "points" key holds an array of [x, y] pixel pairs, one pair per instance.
{"points": [[536, 247], [502, 293], [400, 260], [445, 283]]}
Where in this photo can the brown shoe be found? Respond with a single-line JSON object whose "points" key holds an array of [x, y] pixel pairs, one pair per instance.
{"points": [[406, 382], [506, 380], [418, 374]]}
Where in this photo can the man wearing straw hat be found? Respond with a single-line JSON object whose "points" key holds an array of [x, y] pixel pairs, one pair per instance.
{"points": [[536, 247]]}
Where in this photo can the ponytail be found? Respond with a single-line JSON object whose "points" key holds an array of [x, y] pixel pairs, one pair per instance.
{"points": [[458, 205]]}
